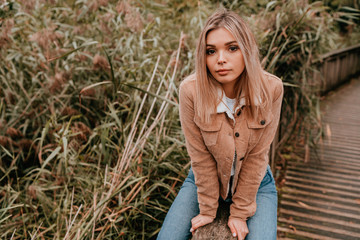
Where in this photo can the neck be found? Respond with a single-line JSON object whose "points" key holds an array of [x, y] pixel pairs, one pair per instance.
{"points": [[229, 91]]}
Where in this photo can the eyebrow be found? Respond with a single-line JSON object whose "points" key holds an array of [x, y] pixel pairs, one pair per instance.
{"points": [[228, 43]]}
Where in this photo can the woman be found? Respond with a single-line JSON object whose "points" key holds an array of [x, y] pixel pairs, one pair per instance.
{"points": [[229, 112]]}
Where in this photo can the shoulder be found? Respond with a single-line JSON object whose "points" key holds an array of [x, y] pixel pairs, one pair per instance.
{"points": [[275, 85], [188, 82], [187, 86]]}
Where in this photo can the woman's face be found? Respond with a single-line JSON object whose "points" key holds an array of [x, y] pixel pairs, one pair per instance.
{"points": [[224, 58]]}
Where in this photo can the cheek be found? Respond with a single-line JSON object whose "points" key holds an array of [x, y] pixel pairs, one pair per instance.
{"points": [[209, 64], [240, 59]]}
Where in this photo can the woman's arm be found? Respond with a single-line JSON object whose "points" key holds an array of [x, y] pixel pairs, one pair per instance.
{"points": [[254, 166], [202, 162]]}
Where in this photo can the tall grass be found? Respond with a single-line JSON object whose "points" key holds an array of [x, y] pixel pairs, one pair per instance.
{"points": [[90, 142]]}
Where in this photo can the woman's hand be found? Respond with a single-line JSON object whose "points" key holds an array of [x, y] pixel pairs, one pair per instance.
{"points": [[238, 228], [199, 221]]}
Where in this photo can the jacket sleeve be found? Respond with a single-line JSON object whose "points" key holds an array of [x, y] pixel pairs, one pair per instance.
{"points": [[202, 162], [254, 166]]}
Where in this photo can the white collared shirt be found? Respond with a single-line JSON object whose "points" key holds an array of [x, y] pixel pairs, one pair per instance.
{"points": [[228, 109]]}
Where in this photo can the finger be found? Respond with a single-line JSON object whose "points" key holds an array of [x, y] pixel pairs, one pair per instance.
{"points": [[242, 235], [196, 225], [194, 222], [233, 230], [246, 231]]}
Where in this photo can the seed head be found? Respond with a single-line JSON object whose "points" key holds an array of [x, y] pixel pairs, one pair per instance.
{"points": [[13, 133], [100, 63]]}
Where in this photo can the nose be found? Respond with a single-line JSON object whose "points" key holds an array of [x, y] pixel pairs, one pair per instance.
{"points": [[221, 58]]}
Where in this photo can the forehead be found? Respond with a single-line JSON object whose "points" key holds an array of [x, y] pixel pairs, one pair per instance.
{"points": [[219, 36]]}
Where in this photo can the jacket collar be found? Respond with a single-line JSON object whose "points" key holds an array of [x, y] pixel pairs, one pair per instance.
{"points": [[221, 107]]}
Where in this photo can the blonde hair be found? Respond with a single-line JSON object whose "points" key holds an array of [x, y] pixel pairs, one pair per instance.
{"points": [[252, 83]]}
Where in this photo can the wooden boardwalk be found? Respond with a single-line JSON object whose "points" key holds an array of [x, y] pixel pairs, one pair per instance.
{"points": [[321, 198]]}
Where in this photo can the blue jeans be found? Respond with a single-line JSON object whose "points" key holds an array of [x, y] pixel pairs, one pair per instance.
{"points": [[262, 226]]}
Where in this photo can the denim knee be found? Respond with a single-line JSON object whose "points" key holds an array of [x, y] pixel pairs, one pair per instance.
{"points": [[189, 180], [177, 222], [263, 225]]}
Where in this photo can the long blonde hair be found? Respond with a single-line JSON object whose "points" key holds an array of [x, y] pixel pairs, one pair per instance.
{"points": [[252, 83]]}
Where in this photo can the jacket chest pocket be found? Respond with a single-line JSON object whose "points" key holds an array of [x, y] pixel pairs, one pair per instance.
{"points": [[257, 126], [209, 131]]}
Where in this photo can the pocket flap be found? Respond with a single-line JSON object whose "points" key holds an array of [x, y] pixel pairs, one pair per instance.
{"points": [[213, 126], [261, 122]]}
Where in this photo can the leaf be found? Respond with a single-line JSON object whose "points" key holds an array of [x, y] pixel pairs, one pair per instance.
{"points": [[48, 159], [290, 84], [350, 9], [303, 205], [292, 227], [94, 85], [152, 94], [112, 71], [70, 52]]}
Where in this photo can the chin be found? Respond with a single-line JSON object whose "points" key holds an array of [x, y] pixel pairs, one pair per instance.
{"points": [[226, 80]]}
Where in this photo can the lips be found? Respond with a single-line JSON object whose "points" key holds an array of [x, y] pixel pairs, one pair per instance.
{"points": [[223, 72]]}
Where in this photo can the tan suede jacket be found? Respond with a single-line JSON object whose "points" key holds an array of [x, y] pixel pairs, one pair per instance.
{"points": [[211, 147]]}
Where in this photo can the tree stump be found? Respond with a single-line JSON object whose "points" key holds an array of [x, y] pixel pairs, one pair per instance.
{"points": [[218, 229]]}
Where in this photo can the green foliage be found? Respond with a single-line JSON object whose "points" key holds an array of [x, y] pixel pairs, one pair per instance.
{"points": [[90, 142]]}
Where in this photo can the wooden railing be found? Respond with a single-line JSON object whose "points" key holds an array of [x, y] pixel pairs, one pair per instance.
{"points": [[336, 67]]}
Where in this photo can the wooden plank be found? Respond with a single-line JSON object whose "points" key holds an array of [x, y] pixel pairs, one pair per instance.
{"points": [[349, 139], [337, 160], [306, 234], [307, 199], [325, 184], [323, 210], [321, 196], [333, 143], [323, 190], [320, 171], [320, 227], [329, 178], [332, 161], [319, 218]]}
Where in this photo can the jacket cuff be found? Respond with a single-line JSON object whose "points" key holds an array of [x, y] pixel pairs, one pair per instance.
{"points": [[207, 211], [232, 217], [242, 214]]}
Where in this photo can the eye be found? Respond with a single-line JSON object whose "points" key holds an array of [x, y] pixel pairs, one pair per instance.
{"points": [[210, 51], [233, 48]]}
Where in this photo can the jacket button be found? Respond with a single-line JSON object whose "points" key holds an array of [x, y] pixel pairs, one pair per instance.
{"points": [[237, 134], [241, 158], [262, 122]]}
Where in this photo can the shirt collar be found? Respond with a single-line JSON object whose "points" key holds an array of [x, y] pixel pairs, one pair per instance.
{"points": [[221, 107]]}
